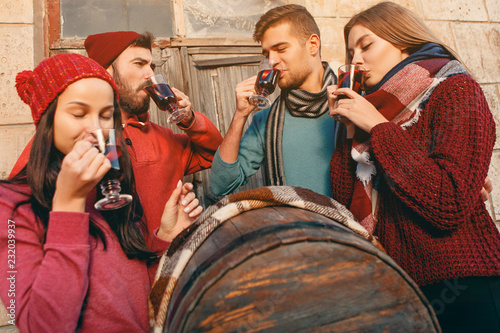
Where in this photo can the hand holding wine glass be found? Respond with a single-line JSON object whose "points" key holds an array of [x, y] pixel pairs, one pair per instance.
{"points": [[265, 84], [81, 170], [165, 99], [354, 109], [352, 77], [183, 102]]}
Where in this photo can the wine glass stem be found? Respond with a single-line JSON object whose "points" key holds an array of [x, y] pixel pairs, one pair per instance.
{"points": [[111, 188]]}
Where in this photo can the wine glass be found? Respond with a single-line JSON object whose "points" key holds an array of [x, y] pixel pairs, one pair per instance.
{"points": [[165, 99], [105, 141], [350, 76], [265, 84]]}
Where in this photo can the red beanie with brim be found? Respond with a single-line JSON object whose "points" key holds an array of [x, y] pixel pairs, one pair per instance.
{"points": [[106, 47]]}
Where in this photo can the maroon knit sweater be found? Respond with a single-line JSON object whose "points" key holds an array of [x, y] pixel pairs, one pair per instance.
{"points": [[431, 219]]}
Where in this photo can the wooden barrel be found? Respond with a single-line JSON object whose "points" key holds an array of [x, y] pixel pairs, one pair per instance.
{"points": [[284, 269]]}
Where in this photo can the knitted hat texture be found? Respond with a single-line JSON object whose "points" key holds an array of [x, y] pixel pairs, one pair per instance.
{"points": [[40, 87]]}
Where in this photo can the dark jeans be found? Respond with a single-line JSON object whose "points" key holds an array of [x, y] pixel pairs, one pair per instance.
{"points": [[466, 304]]}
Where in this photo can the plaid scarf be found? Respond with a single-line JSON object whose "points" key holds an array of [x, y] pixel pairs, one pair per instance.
{"points": [[175, 259], [400, 99], [300, 103]]}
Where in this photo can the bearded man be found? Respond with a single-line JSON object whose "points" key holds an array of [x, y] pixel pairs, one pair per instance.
{"points": [[160, 158]]}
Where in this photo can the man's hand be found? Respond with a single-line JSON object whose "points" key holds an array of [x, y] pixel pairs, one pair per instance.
{"points": [[184, 103], [231, 144], [486, 190], [243, 91]]}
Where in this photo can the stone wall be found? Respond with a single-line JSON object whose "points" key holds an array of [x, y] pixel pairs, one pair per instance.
{"points": [[17, 52], [470, 27]]}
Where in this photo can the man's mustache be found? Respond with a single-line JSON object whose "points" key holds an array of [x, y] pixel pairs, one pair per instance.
{"points": [[144, 85]]}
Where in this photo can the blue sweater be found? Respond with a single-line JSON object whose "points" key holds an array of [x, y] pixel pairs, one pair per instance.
{"points": [[308, 145]]}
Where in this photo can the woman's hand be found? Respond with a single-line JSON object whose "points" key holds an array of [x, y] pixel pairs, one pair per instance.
{"points": [[356, 109], [180, 211], [81, 170]]}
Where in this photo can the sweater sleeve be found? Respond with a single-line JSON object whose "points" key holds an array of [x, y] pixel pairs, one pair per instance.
{"points": [[48, 281], [226, 177], [205, 138], [342, 173], [157, 245], [442, 183]]}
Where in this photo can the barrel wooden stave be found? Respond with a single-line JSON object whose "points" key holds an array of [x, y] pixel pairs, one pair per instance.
{"points": [[296, 276], [296, 303]]}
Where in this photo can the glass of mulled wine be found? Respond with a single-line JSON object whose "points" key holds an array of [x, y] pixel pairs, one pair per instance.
{"points": [[265, 84], [105, 140], [165, 99], [351, 76]]}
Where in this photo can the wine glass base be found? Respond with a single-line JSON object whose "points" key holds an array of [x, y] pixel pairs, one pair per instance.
{"points": [[114, 202], [259, 101], [177, 116]]}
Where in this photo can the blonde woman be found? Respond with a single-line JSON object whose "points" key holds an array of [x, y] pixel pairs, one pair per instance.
{"points": [[417, 151]]}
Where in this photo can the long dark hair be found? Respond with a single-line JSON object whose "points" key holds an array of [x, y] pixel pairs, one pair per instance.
{"points": [[41, 173]]}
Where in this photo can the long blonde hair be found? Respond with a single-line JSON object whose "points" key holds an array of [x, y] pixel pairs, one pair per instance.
{"points": [[397, 25]]}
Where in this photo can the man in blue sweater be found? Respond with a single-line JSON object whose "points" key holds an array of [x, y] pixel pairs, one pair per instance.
{"points": [[294, 139]]}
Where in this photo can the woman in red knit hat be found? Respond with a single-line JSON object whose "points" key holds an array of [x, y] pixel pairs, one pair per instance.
{"points": [[418, 147], [68, 266]]}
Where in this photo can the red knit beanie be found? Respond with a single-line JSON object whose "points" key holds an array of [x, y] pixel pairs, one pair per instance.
{"points": [[106, 47], [40, 87]]}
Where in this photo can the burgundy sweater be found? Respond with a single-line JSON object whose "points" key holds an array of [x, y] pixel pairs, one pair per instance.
{"points": [[431, 219], [69, 283]]}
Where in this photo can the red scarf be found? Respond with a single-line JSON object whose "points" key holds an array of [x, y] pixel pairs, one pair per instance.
{"points": [[400, 99]]}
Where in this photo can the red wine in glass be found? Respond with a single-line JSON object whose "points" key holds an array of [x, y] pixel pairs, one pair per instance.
{"points": [[266, 81], [110, 184], [165, 99], [163, 96], [265, 85], [113, 153], [351, 76]]}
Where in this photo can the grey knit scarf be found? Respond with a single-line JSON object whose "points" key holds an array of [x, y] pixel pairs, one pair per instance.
{"points": [[300, 103]]}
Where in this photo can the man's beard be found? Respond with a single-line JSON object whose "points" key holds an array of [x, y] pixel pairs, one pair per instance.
{"points": [[129, 101], [294, 81]]}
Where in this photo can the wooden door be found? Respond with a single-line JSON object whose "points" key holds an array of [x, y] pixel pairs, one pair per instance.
{"points": [[209, 75]]}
